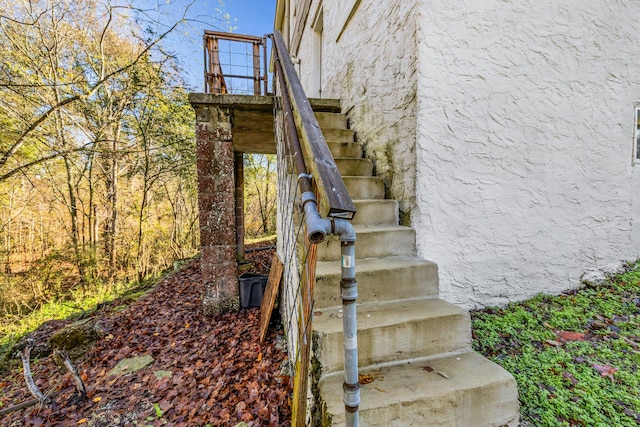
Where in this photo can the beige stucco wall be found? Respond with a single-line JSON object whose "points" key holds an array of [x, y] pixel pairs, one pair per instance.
{"points": [[525, 127], [371, 68], [504, 127]]}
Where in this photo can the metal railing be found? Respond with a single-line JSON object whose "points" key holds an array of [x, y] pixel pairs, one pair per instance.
{"points": [[235, 64], [309, 181]]}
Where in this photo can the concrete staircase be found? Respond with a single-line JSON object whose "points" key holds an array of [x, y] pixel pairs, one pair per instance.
{"points": [[415, 347]]}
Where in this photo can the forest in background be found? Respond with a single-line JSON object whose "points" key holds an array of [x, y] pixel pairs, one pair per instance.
{"points": [[98, 184]]}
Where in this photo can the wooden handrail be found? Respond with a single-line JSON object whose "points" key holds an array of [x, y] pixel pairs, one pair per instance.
{"points": [[233, 36], [335, 200]]}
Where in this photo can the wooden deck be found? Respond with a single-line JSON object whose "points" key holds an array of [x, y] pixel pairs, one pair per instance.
{"points": [[252, 118]]}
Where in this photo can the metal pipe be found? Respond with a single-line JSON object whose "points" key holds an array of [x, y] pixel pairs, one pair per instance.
{"points": [[317, 227], [349, 294]]}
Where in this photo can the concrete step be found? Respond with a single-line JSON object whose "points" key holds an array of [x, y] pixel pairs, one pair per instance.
{"points": [[412, 277], [331, 120], [354, 167], [447, 391], [375, 212], [373, 242], [338, 135], [346, 149], [392, 330], [330, 105], [364, 187]]}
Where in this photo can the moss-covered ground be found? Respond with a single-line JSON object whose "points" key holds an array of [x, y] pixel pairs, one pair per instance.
{"points": [[574, 356]]}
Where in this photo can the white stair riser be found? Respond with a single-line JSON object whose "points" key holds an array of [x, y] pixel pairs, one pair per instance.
{"points": [[338, 135], [364, 187], [376, 212], [480, 394], [374, 244], [425, 336], [331, 120], [375, 276], [354, 167], [345, 149]]}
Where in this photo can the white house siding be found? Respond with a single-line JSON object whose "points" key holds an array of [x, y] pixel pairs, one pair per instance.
{"points": [[525, 124], [372, 68]]}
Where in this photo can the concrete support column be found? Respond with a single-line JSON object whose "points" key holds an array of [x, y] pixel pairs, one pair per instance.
{"points": [[216, 200]]}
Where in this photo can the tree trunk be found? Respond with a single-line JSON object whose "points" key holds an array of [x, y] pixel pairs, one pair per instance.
{"points": [[111, 184]]}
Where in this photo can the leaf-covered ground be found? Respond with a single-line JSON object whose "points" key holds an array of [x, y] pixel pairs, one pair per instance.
{"points": [[206, 370], [575, 357]]}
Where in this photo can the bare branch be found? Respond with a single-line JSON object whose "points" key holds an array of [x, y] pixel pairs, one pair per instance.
{"points": [[82, 391], [41, 160], [45, 115], [25, 355], [16, 145]]}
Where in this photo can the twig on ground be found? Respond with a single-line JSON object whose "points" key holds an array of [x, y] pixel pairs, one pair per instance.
{"points": [[82, 391], [25, 355], [23, 405]]}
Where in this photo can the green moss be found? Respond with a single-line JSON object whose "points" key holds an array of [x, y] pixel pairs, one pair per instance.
{"points": [[224, 305], [560, 382]]}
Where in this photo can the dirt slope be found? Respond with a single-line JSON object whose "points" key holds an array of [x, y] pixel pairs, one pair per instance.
{"points": [[206, 371]]}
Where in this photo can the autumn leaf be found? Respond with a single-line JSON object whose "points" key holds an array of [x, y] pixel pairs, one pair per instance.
{"points": [[566, 336], [605, 370], [365, 379]]}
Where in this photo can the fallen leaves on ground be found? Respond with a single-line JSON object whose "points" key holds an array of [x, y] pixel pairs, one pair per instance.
{"points": [[219, 373]]}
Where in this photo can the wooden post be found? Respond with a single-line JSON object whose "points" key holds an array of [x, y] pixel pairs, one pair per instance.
{"points": [[215, 69], [256, 68], [239, 174]]}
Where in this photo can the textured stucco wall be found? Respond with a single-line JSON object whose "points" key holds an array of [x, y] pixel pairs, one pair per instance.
{"points": [[525, 127], [372, 69]]}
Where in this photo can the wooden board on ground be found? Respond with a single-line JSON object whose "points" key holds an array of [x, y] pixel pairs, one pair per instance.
{"points": [[271, 291]]}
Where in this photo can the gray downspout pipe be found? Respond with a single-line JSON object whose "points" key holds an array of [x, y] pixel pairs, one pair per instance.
{"points": [[349, 294], [317, 229]]}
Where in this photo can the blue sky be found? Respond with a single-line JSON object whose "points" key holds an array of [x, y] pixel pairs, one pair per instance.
{"points": [[252, 17]]}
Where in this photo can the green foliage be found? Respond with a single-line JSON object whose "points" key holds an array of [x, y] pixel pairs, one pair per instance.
{"points": [[99, 186], [260, 194], [575, 356], [80, 300]]}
